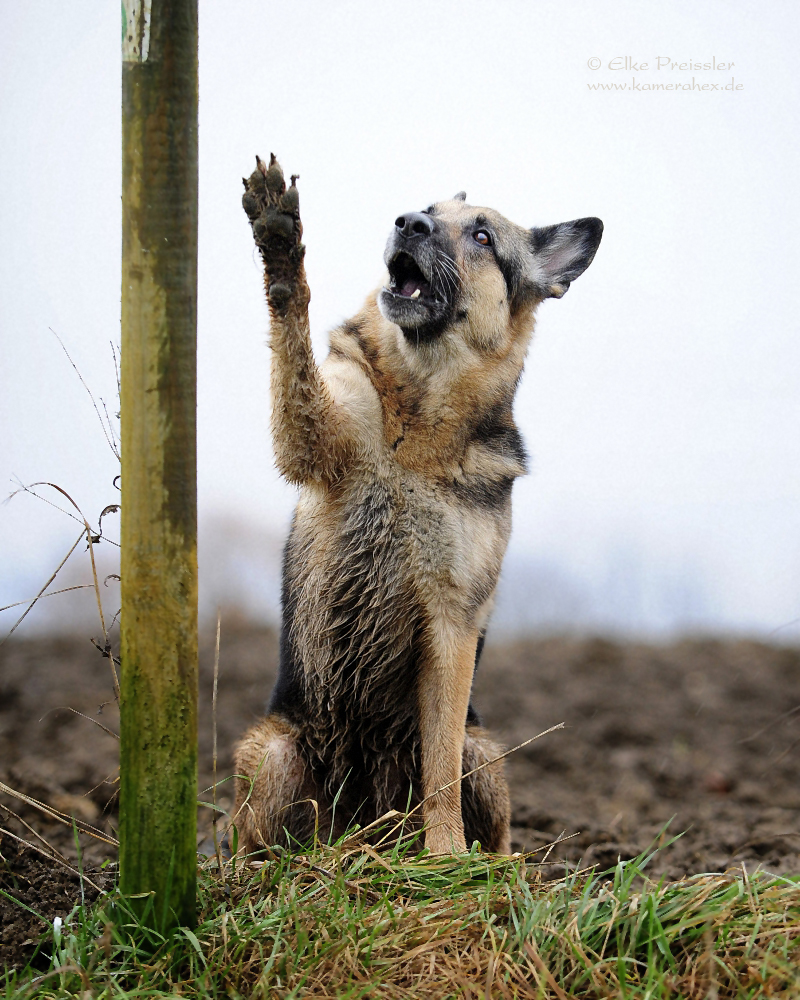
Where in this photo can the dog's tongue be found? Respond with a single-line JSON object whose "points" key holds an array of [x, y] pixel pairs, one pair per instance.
{"points": [[412, 288]]}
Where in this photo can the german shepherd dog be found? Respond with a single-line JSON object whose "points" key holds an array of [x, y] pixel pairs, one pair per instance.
{"points": [[404, 447]]}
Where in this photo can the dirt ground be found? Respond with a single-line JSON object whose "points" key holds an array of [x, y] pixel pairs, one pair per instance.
{"points": [[704, 733]]}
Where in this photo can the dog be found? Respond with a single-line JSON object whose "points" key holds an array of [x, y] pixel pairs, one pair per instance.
{"points": [[404, 447]]}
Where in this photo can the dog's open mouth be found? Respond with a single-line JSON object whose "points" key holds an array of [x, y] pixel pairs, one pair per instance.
{"points": [[406, 278], [413, 298]]}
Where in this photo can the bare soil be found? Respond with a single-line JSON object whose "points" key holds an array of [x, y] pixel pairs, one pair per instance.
{"points": [[702, 734]]}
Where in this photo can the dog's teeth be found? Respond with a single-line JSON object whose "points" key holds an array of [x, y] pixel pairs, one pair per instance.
{"points": [[415, 294]]}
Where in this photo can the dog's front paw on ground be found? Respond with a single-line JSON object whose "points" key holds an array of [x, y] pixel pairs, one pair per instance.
{"points": [[274, 213]]}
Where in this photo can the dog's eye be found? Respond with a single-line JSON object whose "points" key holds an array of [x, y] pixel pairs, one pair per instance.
{"points": [[482, 237]]}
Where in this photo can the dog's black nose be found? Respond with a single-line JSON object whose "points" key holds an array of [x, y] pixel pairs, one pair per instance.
{"points": [[414, 224]]}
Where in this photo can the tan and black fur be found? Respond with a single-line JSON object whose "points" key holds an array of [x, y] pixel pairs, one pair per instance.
{"points": [[405, 449]]}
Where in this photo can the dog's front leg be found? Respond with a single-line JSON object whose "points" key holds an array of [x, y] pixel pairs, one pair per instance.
{"points": [[310, 443], [444, 688]]}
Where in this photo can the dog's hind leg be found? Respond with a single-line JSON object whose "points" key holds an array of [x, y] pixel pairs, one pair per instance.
{"points": [[272, 780], [485, 803]]}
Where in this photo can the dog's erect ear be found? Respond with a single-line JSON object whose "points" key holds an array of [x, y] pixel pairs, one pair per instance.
{"points": [[461, 196], [563, 252]]}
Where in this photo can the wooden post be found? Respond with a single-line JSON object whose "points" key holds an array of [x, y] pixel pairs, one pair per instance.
{"points": [[158, 765]]}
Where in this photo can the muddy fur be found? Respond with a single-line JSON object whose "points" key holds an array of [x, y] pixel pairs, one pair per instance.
{"points": [[404, 447]]}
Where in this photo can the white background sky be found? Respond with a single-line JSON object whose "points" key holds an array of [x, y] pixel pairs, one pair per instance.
{"points": [[661, 401]]}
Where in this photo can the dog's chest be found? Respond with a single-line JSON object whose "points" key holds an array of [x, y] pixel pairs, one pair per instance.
{"points": [[403, 533], [370, 569]]}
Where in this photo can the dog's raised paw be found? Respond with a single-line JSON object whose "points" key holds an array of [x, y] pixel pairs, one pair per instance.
{"points": [[272, 208], [274, 214]]}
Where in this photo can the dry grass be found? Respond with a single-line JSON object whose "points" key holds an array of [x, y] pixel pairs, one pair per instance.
{"points": [[349, 921]]}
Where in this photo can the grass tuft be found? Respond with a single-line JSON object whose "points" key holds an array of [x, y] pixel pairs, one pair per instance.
{"points": [[347, 921]]}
